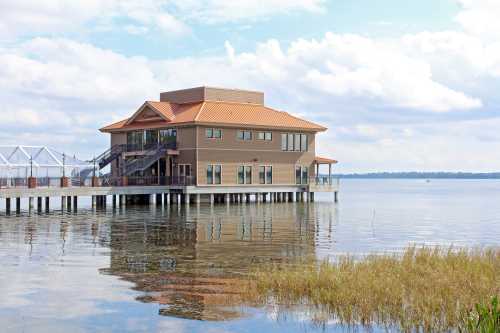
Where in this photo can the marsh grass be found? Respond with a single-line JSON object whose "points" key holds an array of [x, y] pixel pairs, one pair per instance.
{"points": [[422, 289]]}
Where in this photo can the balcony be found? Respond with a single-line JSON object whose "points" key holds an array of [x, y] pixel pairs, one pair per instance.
{"points": [[324, 184]]}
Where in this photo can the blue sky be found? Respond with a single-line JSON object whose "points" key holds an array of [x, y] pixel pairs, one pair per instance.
{"points": [[402, 85]]}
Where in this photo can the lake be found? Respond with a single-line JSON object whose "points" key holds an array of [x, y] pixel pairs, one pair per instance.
{"points": [[172, 269]]}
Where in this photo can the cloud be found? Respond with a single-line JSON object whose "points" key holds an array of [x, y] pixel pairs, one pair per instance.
{"points": [[480, 17], [219, 11], [354, 66], [172, 17], [421, 100]]}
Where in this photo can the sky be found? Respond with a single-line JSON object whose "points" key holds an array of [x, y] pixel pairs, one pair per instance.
{"points": [[402, 85]]}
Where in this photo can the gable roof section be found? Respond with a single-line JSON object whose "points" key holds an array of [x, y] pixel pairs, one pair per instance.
{"points": [[219, 113]]}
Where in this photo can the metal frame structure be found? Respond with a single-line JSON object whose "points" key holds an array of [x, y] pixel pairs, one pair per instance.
{"points": [[39, 161]]}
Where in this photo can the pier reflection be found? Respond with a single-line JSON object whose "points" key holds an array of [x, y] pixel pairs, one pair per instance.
{"points": [[192, 261]]}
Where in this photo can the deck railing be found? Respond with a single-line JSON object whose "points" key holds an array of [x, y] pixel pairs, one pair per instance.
{"points": [[53, 182]]}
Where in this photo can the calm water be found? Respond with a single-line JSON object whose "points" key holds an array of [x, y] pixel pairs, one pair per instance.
{"points": [[168, 270]]}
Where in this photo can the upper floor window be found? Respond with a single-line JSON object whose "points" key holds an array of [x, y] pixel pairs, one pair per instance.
{"points": [[244, 135], [294, 142], [213, 133], [168, 135], [267, 136]]}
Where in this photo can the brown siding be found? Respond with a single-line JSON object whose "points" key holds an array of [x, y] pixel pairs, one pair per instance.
{"points": [[212, 94], [117, 139], [231, 153]]}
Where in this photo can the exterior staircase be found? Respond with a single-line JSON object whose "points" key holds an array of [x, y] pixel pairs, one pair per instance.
{"points": [[151, 156]]}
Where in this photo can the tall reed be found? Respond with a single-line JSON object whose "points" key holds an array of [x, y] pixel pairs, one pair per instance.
{"points": [[423, 289]]}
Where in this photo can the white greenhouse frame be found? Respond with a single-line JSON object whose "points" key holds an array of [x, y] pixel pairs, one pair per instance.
{"points": [[40, 162]]}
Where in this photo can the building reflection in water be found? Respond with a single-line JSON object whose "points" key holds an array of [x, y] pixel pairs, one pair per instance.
{"points": [[192, 261]]}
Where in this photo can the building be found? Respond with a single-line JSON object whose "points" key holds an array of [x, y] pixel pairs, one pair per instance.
{"points": [[217, 141]]}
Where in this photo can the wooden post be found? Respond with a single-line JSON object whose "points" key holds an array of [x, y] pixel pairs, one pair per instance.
{"points": [[18, 205], [39, 204], [330, 174], [47, 204], [335, 196], [75, 203]]}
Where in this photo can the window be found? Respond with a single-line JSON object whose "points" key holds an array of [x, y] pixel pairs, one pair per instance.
{"points": [[244, 135], [241, 175], [265, 174], [168, 135], [297, 142], [135, 140], [210, 174], [214, 174], [303, 142], [213, 133], [294, 142], [305, 175], [150, 137], [248, 175], [244, 175], [218, 174], [262, 175], [267, 136], [290, 142], [269, 175], [301, 175], [284, 145]]}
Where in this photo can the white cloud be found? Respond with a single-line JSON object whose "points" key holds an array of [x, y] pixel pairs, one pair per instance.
{"points": [[480, 17], [423, 100], [171, 17], [217, 11], [355, 66]]}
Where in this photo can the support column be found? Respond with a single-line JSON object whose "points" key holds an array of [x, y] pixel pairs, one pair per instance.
{"points": [[68, 199], [47, 204], [94, 201], [7, 206], [63, 203], [18, 205], [166, 198], [188, 199], [113, 200], [228, 198], [197, 199], [329, 173], [120, 200], [39, 204], [179, 199], [75, 203], [311, 196], [159, 198], [212, 199], [335, 197], [31, 203], [152, 199]]}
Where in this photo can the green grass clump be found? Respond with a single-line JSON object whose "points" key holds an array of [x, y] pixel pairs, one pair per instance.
{"points": [[422, 289], [484, 319]]}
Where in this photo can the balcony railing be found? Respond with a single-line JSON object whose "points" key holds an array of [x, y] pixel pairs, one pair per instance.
{"points": [[324, 183], [55, 182]]}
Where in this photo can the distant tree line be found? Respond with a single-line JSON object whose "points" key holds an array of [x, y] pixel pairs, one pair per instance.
{"points": [[422, 175]]}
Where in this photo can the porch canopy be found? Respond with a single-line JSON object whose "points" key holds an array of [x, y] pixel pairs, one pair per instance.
{"points": [[324, 161], [39, 161]]}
